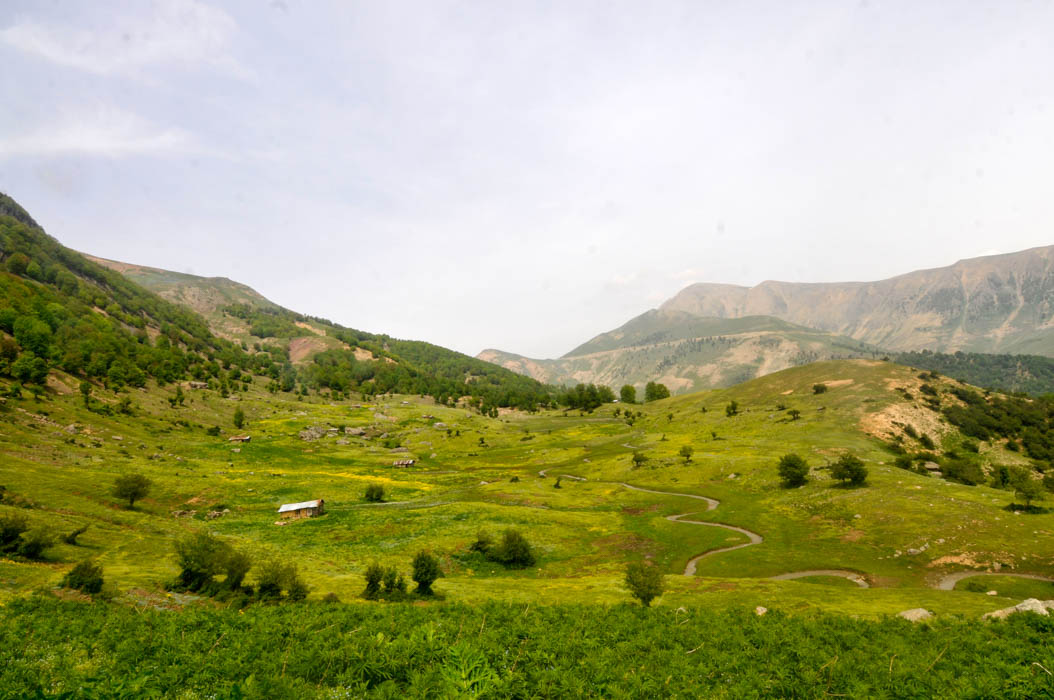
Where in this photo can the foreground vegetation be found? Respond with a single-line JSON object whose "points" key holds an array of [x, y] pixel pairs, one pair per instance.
{"points": [[502, 650]]}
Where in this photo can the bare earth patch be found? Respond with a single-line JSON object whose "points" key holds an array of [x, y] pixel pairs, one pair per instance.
{"points": [[881, 424], [834, 384]]}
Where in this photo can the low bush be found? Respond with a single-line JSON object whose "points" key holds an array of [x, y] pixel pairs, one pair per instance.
{"points": [[85, 577]]}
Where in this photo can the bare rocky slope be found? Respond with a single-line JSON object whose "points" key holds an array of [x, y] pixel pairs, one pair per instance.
{"points": [[998, 303]]}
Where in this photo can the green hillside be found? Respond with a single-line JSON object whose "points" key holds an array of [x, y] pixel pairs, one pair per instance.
{"points": [[687, 353]]}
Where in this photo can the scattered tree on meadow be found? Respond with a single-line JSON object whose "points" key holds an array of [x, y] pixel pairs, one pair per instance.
{"points": [[514, 551], [732, 409], [686, 452], [794, 413], [1028, 489], [239, 417], [849, 469], [131, 488], [628, 394], [374, 575], [654, 391], [425, 571], [793, 470], [819, 388], [86, 393], [276, 578], [639, 459], [644, 581]]}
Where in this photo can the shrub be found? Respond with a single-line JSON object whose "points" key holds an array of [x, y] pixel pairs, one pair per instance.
{"points": [[425, 571], [85, 577], [794, 413], [849, 469], [11, 528], [239, 418], [213, 431], [793, 470], [514, 551], [819, 388], [375, 493], [644, 581], [904, 462], [236, 566], [374, 575], [34, 543], [393, 582], [927, 442], [72, 537], [201, 557], [961, 470], [732, 409], [484, 541], [686, 453], [275, 578], [1027, 489], [639, 459]]}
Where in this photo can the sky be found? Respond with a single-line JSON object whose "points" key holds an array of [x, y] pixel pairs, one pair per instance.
{"points": [[525, 175]]}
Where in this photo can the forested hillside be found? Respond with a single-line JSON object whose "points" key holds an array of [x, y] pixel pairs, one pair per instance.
{"points": [[59, 309], [1032, 374]]}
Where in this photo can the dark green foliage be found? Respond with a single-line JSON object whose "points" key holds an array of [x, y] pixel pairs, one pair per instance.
{"points": [[239, 418], [85, 577], [277, 581], [628, 394], [849, 470], [654, 391], [928, 390], [425, 572], [793, 470], [819, 388], [732, 409], [965, 471], [1032, 374], [201, 557], [394, 583], [639, 458], [904, 462], [496, 650], [374, 574], [236, 566], [12, 525], [131, 488], [686, 453], [927, 442], [587, 397], [33, 544], [1026, 488], [644, 581], [374, 493], [484, 541], [794, 414], [212, 431], [513, 552], [72, 537]]}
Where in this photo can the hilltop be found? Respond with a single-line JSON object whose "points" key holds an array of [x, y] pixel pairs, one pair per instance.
{"points": [[996, 303]]}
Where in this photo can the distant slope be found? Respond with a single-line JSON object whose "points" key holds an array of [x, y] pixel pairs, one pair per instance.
{"points": [[1032, 374], [686, 352], [999, 303], [331, 356]]}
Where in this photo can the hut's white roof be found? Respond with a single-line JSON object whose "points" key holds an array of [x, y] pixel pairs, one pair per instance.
{"points": [[300, 506]]}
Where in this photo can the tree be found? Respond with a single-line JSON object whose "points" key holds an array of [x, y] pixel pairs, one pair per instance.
{"points": [[1028, 489], [201, 557], [236, 566], [12, 525], [794, 413], [639, 459], [732, 409], [849, 469], [86, 392], [819, 388], [34, 543], [276, 578], [653, 391], [425, 571], [375, 493], [628, 394], [686, 452], [131, 488], [17, 264], [793, 470], [644, 582], [239, 417]]}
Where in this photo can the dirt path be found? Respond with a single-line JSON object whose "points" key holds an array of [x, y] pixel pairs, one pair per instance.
{"points": [[853, 576], [711, 504], [947, 583]]}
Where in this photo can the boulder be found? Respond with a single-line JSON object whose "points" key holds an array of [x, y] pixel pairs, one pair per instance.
{"points": [[1040, 607], [915, 614], [760, 610]]}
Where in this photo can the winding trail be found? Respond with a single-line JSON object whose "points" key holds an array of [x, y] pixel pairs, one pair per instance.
{"points": [[947, 583], [854, 576]]}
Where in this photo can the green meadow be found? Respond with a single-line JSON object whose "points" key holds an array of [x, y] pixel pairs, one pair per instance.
{"points": [[559, 477]]}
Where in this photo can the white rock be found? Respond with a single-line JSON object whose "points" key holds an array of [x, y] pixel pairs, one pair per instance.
{"points": [[915, 614], [992, 593], [760, 610]]}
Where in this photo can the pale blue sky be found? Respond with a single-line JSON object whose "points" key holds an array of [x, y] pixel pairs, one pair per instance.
{"points": [[526, 175]]}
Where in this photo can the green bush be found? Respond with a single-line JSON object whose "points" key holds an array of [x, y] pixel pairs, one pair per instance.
{"points": [[793, 470], [12, 525], [278, 581], [374, 575], [374, 493], [85, 577], [514, 551], [849, 469], [819, 388], [425, 572], [131, 488], [34, 543], [644, 581]]}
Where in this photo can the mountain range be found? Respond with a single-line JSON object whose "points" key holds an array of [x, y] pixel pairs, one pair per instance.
{"points": [[711, 335]]}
